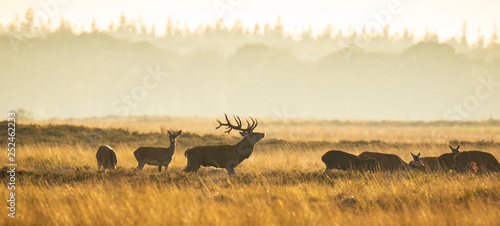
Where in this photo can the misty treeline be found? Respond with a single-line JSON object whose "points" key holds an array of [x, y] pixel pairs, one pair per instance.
{"points": [[262, 70], [305, 43]]}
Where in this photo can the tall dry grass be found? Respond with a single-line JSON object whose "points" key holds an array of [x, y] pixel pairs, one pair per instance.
{"points": [[282, 183]]}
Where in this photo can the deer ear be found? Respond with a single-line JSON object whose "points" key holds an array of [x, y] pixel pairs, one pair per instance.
{"points": [[452, 147], [458, 146], [418, 154], [180, 131], [169, 132], [412, 154]]}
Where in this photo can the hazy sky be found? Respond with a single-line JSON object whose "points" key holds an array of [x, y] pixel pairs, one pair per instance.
{"points": [[445, 16]]}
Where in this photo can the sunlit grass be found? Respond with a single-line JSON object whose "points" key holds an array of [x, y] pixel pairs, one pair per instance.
{"points": [[282, 183]]}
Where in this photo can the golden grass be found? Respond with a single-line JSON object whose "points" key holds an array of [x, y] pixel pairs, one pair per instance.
{"points": [[301, 129], [280, 184]]}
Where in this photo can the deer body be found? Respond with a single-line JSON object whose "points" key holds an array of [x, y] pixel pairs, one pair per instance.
{"points": [[431, 163], [224, 156], [445, 161], [484, 161], [342, 160], [156, 156], [386, 162], [106, 157]]}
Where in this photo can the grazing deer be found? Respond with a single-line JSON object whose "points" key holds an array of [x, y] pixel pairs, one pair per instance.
{"points": [[225, 156], [106, 158], [445, 161], [386, 162], [342, 160], [157, 156], [484, 161], [416, 163], [431, 163]]}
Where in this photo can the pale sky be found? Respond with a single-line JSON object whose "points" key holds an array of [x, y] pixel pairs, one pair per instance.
{"points": [[445, 16]]}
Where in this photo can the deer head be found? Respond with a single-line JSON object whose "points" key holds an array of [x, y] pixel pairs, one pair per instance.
{"points": [[172, 136], [454, 150], [417, 162], [248, 133]]}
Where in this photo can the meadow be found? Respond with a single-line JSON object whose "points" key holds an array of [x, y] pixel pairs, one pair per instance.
{"points": [[282, 183]]}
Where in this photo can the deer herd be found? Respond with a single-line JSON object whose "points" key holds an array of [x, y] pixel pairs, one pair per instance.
{"points": [[230, 156]]}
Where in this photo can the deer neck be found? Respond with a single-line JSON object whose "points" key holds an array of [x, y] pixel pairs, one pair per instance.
{"points": [[171, 149], [245, 147]]}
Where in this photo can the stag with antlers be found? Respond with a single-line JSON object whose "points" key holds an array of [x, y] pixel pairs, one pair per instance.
{"points": [[225, 156]]}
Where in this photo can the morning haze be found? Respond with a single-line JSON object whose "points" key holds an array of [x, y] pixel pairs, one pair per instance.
{"points": [[130, 67]]}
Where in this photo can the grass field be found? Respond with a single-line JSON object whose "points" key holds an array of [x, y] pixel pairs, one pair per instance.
{"points": [[282, 183]]}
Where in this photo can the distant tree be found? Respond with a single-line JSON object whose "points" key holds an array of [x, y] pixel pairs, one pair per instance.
{"points": [[385, 32], [256, 29], [152, 32], [494, 35], [13, 26], [237, 27], [122, 22], [463, 38], [430, 36], [327, 32], [93, 26], [169, 29], [111, 27], [28, 25], [307, 34], [480, 39], [64, 26], [219, 25], [279, 29]]}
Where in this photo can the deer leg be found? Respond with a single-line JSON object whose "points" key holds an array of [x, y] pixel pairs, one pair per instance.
{"points": [[167, 164], [230, 171], [196, 168], [230, 167], [188, 167], [140, 166], [159, 168]]}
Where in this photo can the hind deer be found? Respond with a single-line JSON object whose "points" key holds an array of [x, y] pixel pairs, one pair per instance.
{"points": [[106, 158], [386, 162], [416, 163], [345, 161], [484, 161], [445, 161], [225, 156], [431, 163], [157, 156]]}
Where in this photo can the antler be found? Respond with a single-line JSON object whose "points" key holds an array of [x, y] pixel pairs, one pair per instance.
{"points": [[230, 126]]}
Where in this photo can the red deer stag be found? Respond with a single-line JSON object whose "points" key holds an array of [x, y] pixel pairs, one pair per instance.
{"points": [[484, 161], [225, 156], [445, 161], [106, 158], [157, 156], [386, 162], [342, 160]]}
